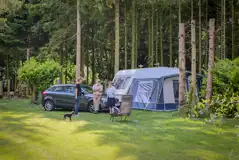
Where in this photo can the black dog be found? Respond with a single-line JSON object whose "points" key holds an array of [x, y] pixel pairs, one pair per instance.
{"points": [[69, 115]]}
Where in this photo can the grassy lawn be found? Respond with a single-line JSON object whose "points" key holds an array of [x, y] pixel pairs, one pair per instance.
{"points": [[29, 133]]}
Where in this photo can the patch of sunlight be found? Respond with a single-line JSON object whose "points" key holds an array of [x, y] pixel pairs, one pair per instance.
{"points": [[190, 128], [204, 154], [209, 132], [83, 144], [204, 143], [127, 158]]}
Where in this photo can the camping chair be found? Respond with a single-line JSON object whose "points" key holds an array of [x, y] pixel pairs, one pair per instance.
{"points": [[125, 108]]}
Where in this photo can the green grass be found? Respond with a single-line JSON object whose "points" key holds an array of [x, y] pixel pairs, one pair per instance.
{"points": [[29, 133]]}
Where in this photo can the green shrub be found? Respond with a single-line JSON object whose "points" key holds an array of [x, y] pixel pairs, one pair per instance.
{"points": [[225, 99], [38, 76]]}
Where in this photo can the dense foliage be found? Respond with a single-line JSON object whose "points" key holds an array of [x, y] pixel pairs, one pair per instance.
{"points": [[41, 75], [225, 99]]}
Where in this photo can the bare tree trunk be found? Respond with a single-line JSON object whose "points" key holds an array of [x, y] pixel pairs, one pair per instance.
{"points": [[28, 58], [200, 38], [82, 64], [206, 47], [182, 65], [78, 41], [193, 68], [161, 40], [1, 89], [136, 38], [152, 37], [233, 37], [133, 34], [93, 55], [117, 42], [61, 63], [224, 29], [157, 37], [149, 42], [211, 59], [8, 78], [171, 37], [125, 36], [179, 12], [192, 10], [33, 94]]}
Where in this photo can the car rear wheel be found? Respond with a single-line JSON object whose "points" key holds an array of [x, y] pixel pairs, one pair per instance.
{"points": [[49, 105], [91, 107]]}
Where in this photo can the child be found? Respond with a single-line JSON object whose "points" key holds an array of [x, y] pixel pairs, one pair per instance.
{"points": [[111, 96]]}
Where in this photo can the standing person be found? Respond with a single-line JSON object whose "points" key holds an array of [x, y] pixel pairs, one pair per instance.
{"points": [[111, 96], [78, 95], [97, 92], [105, 86]]}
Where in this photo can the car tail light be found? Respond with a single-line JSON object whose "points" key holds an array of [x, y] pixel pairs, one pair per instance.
{"points": [[43, 93]]}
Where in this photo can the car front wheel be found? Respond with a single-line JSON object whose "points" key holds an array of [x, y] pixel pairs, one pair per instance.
{"points": [[49, 105], [91, 107]]}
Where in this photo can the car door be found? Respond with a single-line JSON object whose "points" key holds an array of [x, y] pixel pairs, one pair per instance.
{"points": [[58, 95], [69, 96], [84, 100]]}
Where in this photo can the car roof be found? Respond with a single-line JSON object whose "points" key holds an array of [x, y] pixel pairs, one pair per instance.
{"points": [[68, 85]]}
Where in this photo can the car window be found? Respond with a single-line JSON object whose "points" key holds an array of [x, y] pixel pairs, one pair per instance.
{"points": [[69, 89], [87, 89], [57, 89], [51, 89]]}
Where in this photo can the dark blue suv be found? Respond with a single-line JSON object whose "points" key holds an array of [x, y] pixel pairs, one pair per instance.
{"points": [[63, 96]]}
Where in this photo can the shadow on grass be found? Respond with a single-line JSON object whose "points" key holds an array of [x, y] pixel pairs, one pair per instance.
{"points": [[17, 134], [165, 139], [147, 135]]}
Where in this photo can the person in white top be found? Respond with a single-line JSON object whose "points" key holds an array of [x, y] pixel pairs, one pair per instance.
{"points": [[97, 92], [110, 96]]}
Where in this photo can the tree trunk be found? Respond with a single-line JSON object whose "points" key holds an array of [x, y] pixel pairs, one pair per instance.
{"points": [[211, 60], [157, 37], [182, 61], [93, 55], [8, 78], [224, 29], [161, 40], [1, 88], [206, 47], [179, 12], [78, 41], [171, 37], [152, 37], [28, 58], [149, 42], [133, 33], [192, 10], [136, 38], [33, 94], [193, 68], [66, 65], [15, 77], [200, 39], [233, 38], [125, 36], [117, 42], [61, 63], [82, 64]]}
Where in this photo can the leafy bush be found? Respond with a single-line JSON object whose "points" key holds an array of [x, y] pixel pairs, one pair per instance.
{"points": [[38, 76], [225, 99], [226, 105]]}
